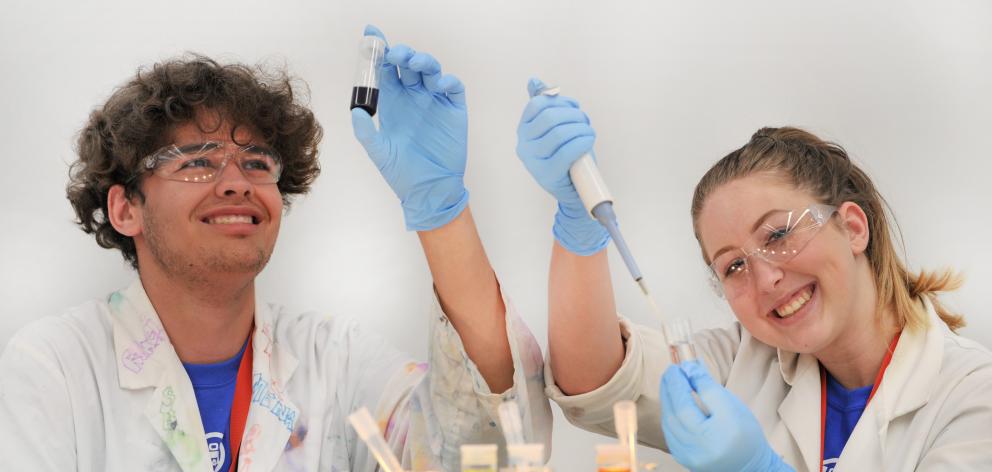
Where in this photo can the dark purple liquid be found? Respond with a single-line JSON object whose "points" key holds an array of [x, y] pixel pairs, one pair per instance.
{"points": [[366, 98]]}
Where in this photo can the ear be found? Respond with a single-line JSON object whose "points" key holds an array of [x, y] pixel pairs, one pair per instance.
{"points": [[124, 214], [855, 224]]}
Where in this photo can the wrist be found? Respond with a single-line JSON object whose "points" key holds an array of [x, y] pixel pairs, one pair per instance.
{"points": [[577, 232], [767, 460], [434, 208]]}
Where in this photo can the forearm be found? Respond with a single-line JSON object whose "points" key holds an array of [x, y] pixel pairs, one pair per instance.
{"points": [[583, 331], [470, 296]]}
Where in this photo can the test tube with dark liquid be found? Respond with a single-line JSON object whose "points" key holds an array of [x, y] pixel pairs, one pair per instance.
{"points": [[365, 93]]}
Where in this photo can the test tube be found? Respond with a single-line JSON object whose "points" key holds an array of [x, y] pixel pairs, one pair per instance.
{"points": [[525, 457], [625, 420], [365, 93], [479, 457], [369, 432], [612, 458], [678, 334]]}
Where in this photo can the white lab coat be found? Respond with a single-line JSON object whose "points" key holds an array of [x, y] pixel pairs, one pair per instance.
{"points": [[100, 388], [932, 411]]}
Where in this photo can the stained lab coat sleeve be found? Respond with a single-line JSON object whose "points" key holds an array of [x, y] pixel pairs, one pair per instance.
{"points": [[33, 432], [646, 358], [428, 410]]}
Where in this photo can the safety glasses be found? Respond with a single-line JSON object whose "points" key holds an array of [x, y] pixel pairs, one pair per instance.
{"points": [[203, 162], [779, 236]]}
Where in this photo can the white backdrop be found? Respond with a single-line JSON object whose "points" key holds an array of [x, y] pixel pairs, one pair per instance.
{"points": [[670, 86]]}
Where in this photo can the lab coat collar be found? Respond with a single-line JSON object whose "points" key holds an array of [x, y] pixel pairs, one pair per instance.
{"points": [[146, 359], [905, 388]]}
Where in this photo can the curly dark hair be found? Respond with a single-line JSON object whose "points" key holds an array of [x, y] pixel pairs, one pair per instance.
{"points": [[138, 117]]}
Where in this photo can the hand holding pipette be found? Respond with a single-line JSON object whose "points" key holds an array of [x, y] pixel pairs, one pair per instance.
{"points": [[555, 144]]}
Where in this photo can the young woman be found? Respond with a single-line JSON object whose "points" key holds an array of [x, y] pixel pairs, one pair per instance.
{"points": [[840, 358]]}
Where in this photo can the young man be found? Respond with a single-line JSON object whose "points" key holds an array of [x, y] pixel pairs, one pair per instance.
{"points": [[186, 169]]}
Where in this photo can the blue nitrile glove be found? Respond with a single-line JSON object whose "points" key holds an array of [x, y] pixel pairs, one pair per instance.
{"points": [[554, 133], [728, 439], [422, 140]]}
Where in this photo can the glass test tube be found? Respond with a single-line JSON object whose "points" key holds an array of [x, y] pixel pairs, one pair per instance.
{"points": [[365, 93], [479, 457], [612, 458], [678, 334]]}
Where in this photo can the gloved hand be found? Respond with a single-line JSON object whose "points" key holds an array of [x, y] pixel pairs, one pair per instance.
{"points": [[422, 141], [729, 439], [554, 133]]}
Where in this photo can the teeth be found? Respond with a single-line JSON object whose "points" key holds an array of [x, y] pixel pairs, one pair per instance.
{"points": [[230, 220], [791, 307]]}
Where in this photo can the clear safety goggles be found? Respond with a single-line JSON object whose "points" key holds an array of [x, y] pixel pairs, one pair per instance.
{"points": [[203, 162], [779, 237]]}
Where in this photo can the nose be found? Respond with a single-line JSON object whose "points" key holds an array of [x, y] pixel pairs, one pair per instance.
{"points": [[232, 181], [765, 275]]}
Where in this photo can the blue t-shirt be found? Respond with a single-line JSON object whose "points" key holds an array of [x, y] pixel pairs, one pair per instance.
{"points": [[213, 385], [844, 409]]}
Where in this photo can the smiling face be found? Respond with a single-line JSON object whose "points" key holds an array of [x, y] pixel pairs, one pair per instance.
{"points": [[809, 302], [200, 229]]}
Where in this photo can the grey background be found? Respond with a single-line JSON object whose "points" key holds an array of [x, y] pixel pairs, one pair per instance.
{"points": [[670, 86]]}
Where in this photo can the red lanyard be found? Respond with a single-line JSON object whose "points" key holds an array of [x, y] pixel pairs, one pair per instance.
{"points": [[874, 388], [242, 400]]}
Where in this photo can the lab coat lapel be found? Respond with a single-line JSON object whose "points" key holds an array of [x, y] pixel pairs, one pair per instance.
{"points": [[146, 359], [272, 416], [800, 410], [905, 388]]}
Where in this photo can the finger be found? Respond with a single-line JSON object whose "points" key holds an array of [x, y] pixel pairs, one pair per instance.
{"points": [[711, 393], [453, 88], [401, 55], [549, 118], [429, 69], [535, 86], [558, 139], [372, 30], [675, 384], [537, 104], [368, 136]]}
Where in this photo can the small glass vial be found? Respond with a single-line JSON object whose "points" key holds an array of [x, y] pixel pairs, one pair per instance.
{"points": [[612, 458], [678, 335], [479, 458], [365, 93]]}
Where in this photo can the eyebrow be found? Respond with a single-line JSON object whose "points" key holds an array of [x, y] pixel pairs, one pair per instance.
{"points": [[754, 228]]}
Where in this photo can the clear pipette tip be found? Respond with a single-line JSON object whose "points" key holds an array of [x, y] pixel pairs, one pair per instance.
{"points": [[509, 418], [369, 432]]}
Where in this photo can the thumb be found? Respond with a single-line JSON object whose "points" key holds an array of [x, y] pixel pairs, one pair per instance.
{"points": [[713, 395], [535, 86], [366, 133]]}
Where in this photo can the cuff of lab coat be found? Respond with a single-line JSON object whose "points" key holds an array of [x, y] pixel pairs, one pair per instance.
{"points": [[597, 406], [527, 361]]}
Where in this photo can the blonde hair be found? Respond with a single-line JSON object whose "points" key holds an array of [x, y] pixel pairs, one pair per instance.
{"points": [[824, 170]]}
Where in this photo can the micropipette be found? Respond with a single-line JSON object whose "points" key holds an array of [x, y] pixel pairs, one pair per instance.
{"points": [[369, 432], [599, 203]]}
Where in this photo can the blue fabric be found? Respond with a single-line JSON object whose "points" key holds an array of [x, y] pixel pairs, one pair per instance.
{"points": [[214, 385], [844, 409]]}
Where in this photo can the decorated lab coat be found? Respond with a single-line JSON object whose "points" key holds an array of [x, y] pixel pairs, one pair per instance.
{"points": [[932, 411], [101, 388]]}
